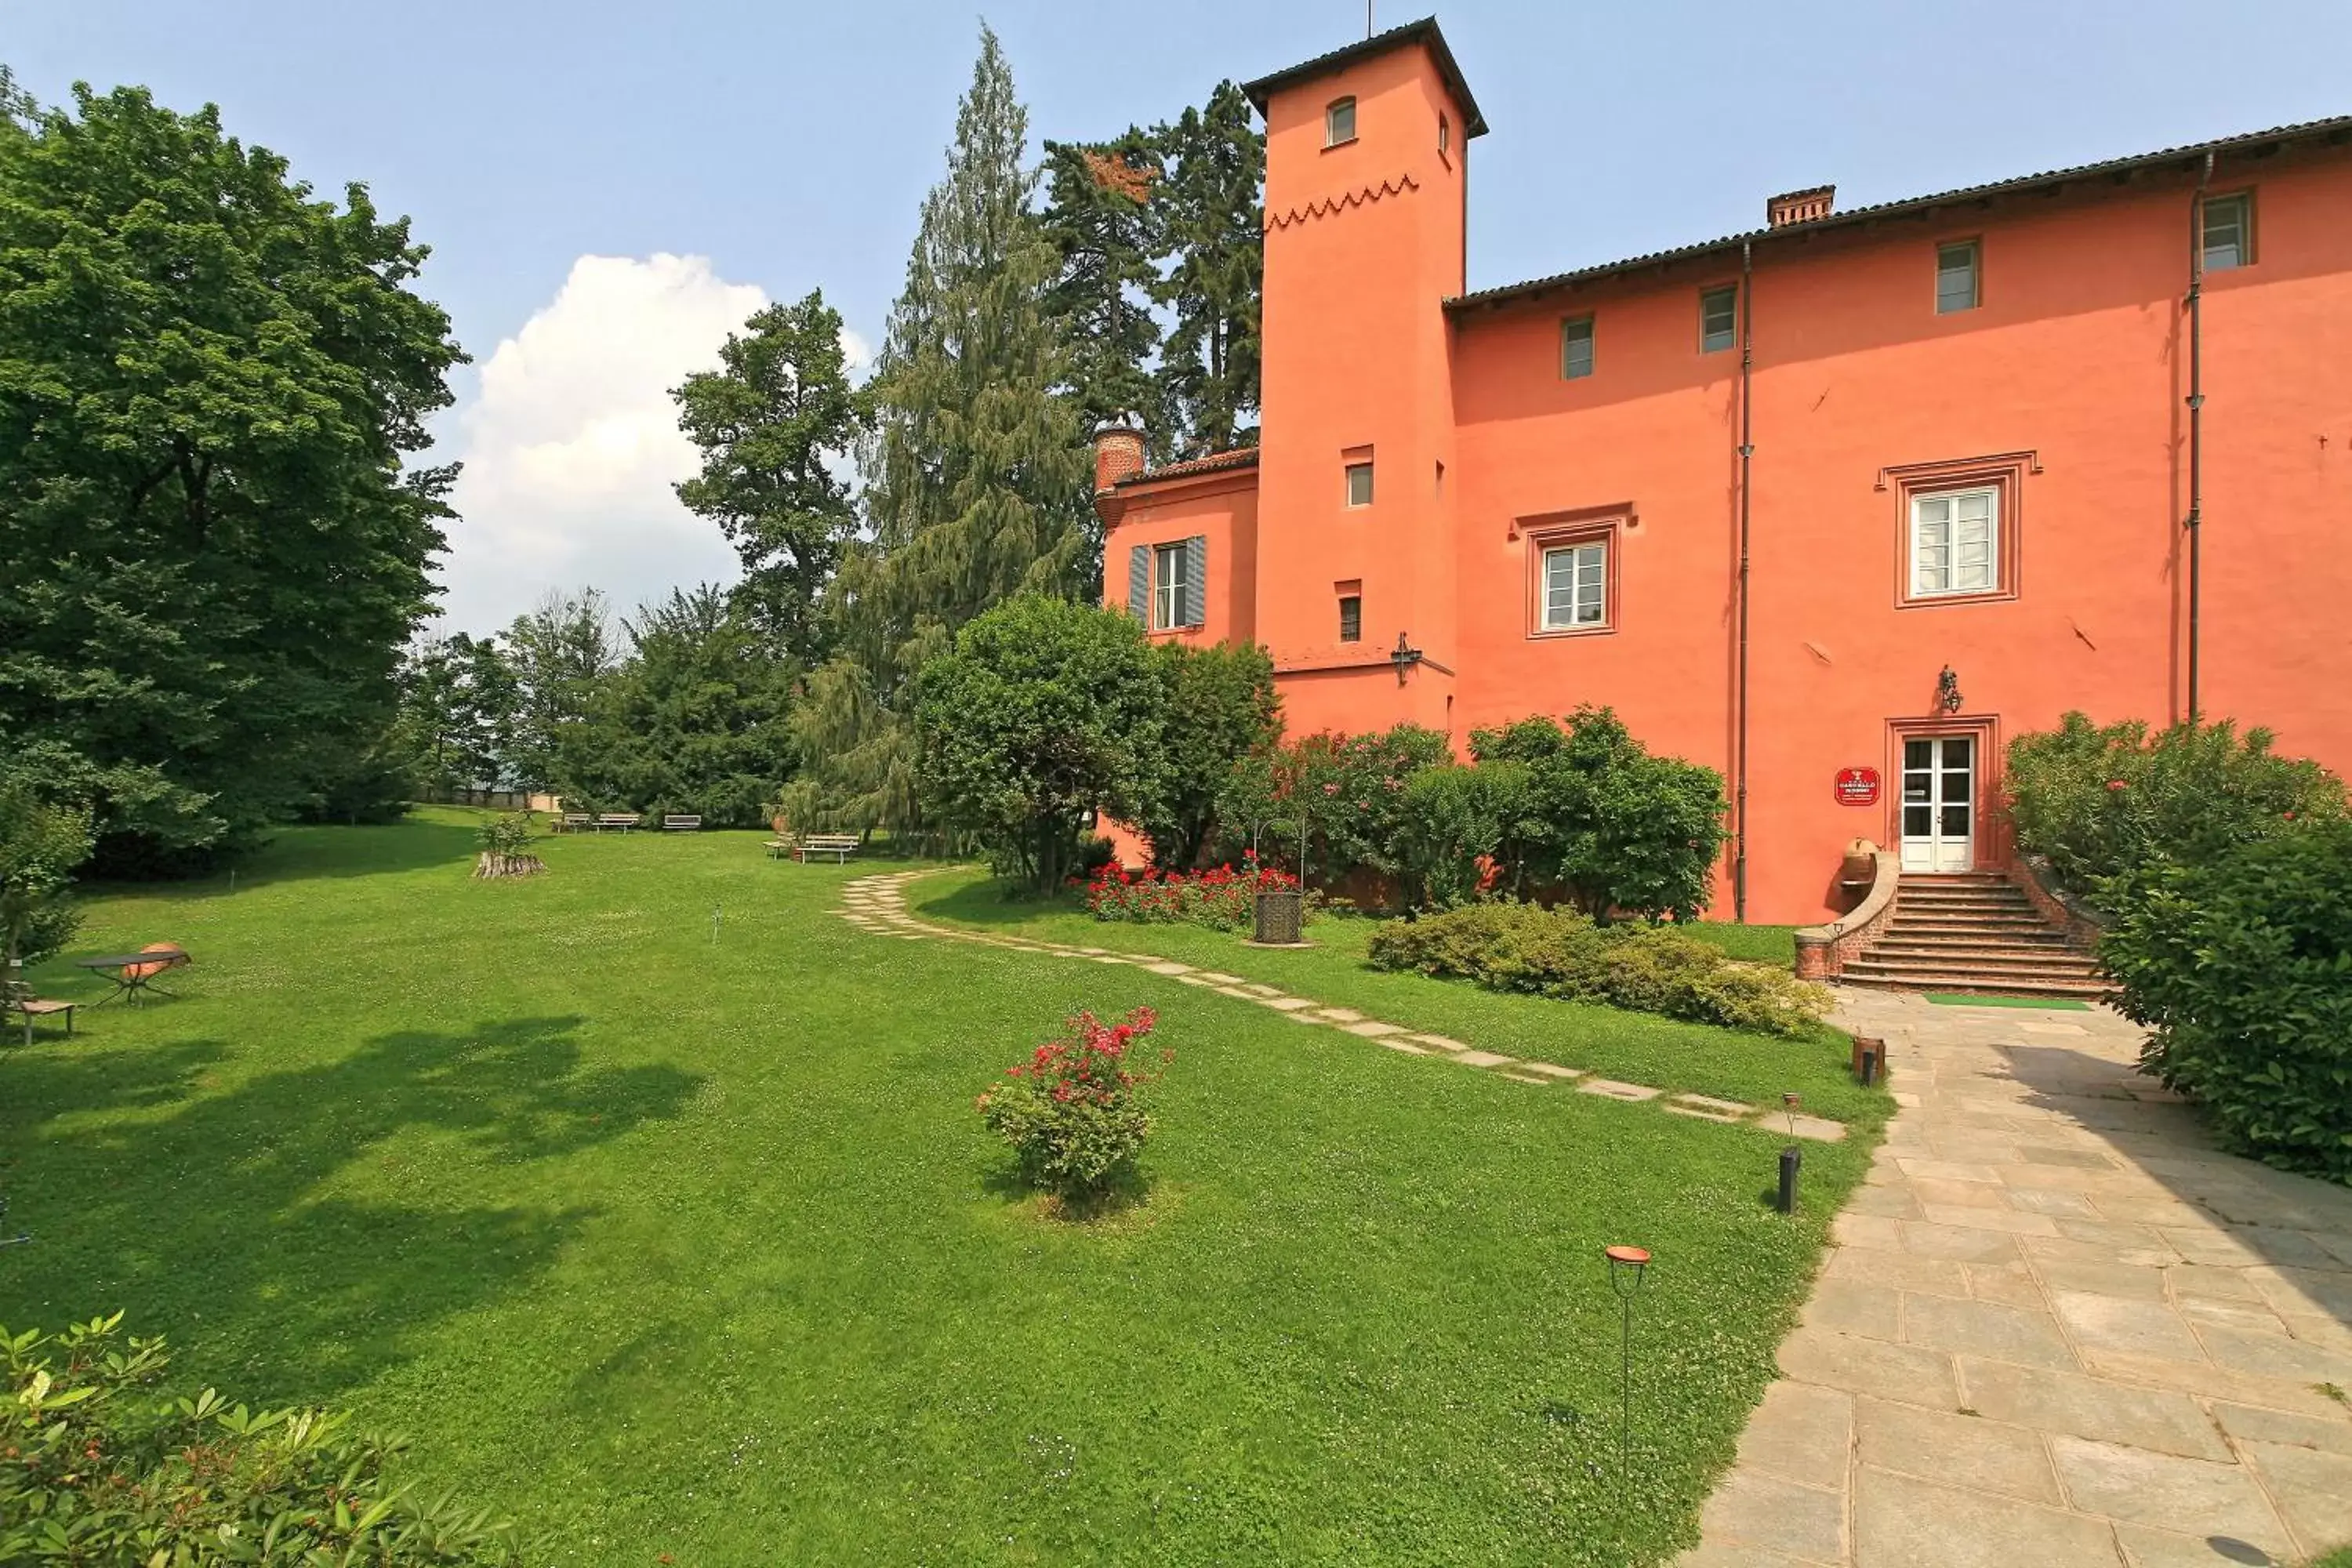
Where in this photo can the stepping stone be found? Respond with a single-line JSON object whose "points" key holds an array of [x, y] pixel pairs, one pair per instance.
{"points": [[1341, 1016], [1726, 1107], [1610, 1087], [1221, 979], [1407, 1047], [1553, 1069], [1110, 958], [1524, 1078], [1163, 967], [1440, 1042], [1372, 1029], [1702, 1115], [1819, 1129], [1236, 991], [1486, 1059], [1091, 951], [1289, 1005], [1192, 979], [1264, 990], [1301, 1017]]}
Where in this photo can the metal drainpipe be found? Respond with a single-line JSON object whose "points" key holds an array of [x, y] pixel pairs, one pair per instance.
{"points": [[1747, 451], [2197, 431]]}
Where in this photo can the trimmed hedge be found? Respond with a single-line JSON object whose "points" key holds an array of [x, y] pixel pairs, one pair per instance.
{"points": [[2241, 967], [1569, 957]]}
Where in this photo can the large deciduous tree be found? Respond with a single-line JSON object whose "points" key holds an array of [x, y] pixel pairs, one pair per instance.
{"points": [[559, 654], [41, 844], [211, 554], [1047, 713], [770, 421], [1221, 709]]}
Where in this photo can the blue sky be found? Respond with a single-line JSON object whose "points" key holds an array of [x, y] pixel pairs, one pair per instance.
{"points": [[608, 188]]}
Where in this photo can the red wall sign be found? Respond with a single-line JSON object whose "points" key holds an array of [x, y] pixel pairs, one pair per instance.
{"points": [[1857, 787]]}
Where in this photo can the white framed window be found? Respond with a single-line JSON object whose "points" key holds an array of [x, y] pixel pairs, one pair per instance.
{"points": [[1576, 348], [2229, 231], [1955, 542], [1339, 121], [1718, 319], [1170, 579], [1957, 283], [1576, 586], [1360, 484]]}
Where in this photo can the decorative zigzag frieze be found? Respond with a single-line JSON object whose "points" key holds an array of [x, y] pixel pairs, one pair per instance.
{"points": [[1325, 207]]}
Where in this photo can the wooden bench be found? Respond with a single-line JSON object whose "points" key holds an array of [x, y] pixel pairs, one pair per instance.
{"points": [[681, 825], [618, 821], [17, 997], [573, 822], [837, 846]]}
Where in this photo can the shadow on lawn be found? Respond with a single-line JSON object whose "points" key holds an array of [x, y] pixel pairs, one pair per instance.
{"points": [[313, 854], [997, 903], [263, 1227]]}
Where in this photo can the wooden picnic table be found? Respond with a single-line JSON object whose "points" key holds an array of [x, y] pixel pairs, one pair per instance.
{"points": [[133, 974]]}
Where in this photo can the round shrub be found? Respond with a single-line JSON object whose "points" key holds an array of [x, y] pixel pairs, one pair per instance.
{"points": [[2241, 967], [1570, 958], [1074, 1112]]}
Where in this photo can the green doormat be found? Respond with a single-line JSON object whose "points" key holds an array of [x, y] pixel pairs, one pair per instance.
{"points": [[1964, 999]]}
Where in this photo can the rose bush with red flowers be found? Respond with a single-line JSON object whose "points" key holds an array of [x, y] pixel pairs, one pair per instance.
{"points": [[1073, 1112], [1223, 897]]}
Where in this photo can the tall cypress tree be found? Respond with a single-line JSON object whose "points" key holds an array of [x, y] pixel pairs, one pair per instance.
{"points": [[976, 479], [1101, 214]]}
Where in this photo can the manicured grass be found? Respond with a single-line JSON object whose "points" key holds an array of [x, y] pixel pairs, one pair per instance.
{"points": [[669, 1246], [1775, 945], [1977, 999], [1633, 1047]]}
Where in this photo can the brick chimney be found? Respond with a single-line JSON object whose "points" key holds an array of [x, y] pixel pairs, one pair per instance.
{"points": [[1798, 206], [1119, 452]]}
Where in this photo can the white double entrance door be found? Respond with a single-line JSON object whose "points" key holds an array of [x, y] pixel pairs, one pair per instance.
{"points": [[1939, 795]]}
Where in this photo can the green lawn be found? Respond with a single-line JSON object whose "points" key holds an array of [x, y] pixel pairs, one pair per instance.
{"points": [[670, 1245], [1633, 1047]]}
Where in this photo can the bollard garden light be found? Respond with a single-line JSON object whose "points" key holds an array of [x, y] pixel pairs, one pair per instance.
{"points": [[1628, 1267]]}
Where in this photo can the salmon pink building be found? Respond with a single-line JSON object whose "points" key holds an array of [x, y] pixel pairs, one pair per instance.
{"points": [[1837, 507]]}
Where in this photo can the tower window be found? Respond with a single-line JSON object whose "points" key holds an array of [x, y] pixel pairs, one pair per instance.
{"points": [[1340, 122], [1351, 617], [1957, 285], [2229, 231], [1718, 319], [1576, 348], [1360, 484], [1445, 134]]}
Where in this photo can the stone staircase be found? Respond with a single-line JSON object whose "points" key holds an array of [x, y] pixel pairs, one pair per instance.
{"points": [[1973, 931]]}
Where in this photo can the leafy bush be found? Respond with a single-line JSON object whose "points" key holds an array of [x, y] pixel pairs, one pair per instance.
{"points": [[1463, 826], [2241, 967], [2101, 804], [1222, 898], [1045, 716], [1072, 1112], [1620, 830], [507, 835], [40, 847], [1569, 957], [1220, 707], [92, 1471]]}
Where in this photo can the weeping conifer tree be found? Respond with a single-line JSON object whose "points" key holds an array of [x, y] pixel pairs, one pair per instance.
{"points": [[977, 475]]}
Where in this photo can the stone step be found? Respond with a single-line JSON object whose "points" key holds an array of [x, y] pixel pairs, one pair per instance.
{"points": [[1998, 986], [1915, 922], [1940, 974], [2005, 899], [1960, 949]]}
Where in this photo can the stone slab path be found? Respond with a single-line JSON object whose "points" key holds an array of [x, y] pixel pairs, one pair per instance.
{"points": [[877, 903], [2056, 1326]]}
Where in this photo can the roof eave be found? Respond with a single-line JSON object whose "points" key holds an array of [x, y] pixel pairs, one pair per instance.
{"points": [[2336, 129], [1424, 32]]}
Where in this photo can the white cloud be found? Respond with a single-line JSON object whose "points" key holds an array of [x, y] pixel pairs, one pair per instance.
{"points": [[570, 443]]}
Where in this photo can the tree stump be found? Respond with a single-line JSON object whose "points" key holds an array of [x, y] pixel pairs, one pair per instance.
{"points": [[492, 864]]}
